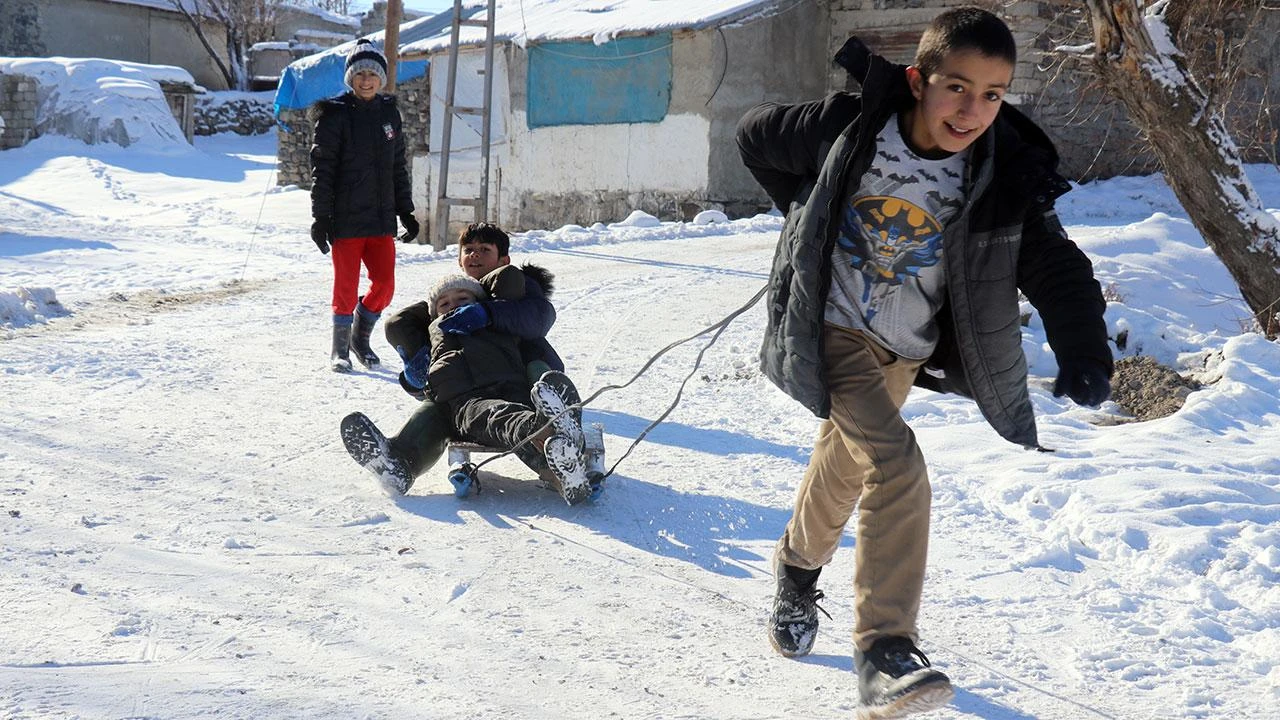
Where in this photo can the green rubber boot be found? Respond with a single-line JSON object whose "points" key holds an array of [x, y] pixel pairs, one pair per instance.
{"points": [[424, 437]]}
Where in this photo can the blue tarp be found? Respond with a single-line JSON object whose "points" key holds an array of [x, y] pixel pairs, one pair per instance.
{"points": [[323, 79], [581, 83]]}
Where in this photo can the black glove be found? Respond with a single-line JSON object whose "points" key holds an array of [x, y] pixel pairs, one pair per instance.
{"points": [[322, 233], [1085, 381], [411, 228]]}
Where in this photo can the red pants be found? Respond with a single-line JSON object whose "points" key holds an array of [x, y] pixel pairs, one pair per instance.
{"points": [[378, 253]]}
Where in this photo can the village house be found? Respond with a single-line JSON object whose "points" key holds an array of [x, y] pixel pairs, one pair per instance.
{"points": [[598, 111], [149, 31]]}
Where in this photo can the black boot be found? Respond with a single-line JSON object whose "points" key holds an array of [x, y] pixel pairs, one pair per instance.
{"points": [[895, 679], [369, 447], [793, 624], [362, 326], [340, 357]]}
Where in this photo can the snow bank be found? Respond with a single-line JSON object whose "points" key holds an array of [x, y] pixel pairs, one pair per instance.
{"points": [[103, 101], [28, 306]]}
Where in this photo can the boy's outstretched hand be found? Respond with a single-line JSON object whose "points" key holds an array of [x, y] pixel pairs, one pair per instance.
{"points": [[465, 320], [1084, 381]]}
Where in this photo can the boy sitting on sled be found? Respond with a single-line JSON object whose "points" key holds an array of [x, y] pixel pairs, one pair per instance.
{"points": [[479, 374]]}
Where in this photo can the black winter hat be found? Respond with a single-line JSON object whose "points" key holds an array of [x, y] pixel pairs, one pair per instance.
{"points": [[365, 57]]}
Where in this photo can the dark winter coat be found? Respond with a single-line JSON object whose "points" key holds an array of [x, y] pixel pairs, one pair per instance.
{"points": [[358, 172], [487, 359], [529, 319], [1006, 238]]}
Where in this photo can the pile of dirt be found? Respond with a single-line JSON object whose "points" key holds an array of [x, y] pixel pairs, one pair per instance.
{"points": [[1148, 390]]}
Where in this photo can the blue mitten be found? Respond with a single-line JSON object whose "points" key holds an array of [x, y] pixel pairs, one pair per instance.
{"points": [[415, 370], [465, 320]]}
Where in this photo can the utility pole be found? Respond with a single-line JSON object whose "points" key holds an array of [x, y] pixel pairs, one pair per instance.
{"points": [[391, 46]]}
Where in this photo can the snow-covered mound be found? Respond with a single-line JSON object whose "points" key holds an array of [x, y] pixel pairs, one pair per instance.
{"points": [[103, 101]]}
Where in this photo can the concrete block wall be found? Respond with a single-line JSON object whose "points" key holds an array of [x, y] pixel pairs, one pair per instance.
{"points": [[18, 108], [1091, 131]]}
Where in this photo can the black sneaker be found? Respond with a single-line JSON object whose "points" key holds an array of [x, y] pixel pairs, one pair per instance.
{"points": [[896, 680], [793, 624], [564, 450]]}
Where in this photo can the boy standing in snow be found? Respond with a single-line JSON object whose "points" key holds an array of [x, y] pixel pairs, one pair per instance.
{"points": [[480, 375], [359, 186], [916, 211]]}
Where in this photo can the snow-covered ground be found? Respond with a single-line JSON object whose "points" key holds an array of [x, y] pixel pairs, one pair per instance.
{"points": [[184, 536]]}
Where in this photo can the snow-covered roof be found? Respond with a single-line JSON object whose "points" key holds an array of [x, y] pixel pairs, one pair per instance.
{"points": [[327, 16], [321, 34], [192, 6], [532, 21]]}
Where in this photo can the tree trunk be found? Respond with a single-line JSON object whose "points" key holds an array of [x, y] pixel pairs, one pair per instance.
{"points": [[195, 25], [391, 44], [1201, 162]]}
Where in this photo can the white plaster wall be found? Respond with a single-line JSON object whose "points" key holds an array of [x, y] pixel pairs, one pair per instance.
{"points": [[670, 156]]}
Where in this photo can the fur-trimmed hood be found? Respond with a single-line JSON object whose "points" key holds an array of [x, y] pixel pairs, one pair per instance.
{"points": [[542, 276]]}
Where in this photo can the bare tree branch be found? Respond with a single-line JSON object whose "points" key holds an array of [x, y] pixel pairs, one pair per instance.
{"points": [[1140, 65]]}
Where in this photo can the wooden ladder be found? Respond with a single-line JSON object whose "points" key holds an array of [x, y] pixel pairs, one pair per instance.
{"points": [[444, 201]]}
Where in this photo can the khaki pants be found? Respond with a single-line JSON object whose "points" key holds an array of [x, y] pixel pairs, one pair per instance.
{"points": [[867, 456]]}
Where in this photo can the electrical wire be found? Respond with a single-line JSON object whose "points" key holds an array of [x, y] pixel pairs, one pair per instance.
{"points": [[718, 327]]}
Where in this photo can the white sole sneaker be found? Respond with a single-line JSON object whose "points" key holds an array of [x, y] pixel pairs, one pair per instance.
{"points": [[565, 460], [551, 406], [921, 699]]}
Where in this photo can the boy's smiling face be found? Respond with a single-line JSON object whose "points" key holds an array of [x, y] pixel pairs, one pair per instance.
{"points": [[956, 103], [366, 84], [478, 259]]}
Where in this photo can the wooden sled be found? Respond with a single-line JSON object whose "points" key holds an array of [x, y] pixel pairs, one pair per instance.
{"points": [[462, 470]]}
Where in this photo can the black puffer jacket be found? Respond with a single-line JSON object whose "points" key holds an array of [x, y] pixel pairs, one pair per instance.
{"points": [[358, 172], [1006, 238], [467, 365]]}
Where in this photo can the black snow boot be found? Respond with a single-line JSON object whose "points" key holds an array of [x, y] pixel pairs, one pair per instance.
{"points": [[340, 356], [793, 624], [896, 680], [369, 447], [362, 326]]}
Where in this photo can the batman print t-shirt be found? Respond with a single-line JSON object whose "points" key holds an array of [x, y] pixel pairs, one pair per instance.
{"points": [[887, 274]]}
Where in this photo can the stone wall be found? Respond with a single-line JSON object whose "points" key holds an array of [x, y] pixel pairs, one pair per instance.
{"points": [[242, 115], [18, 108], [293, 143], [20, 29], [296, 126]]}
